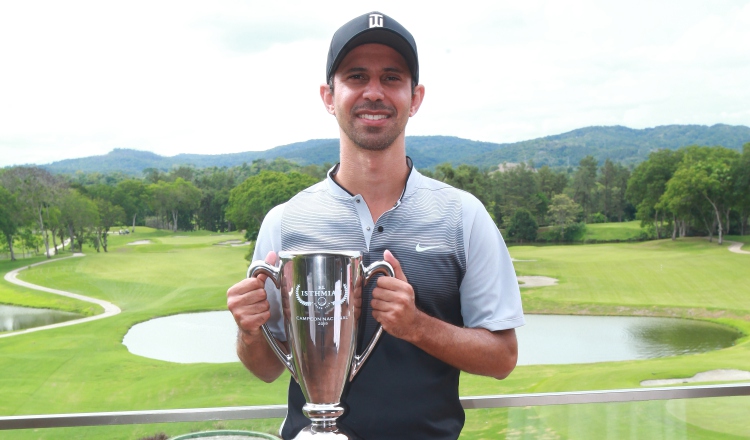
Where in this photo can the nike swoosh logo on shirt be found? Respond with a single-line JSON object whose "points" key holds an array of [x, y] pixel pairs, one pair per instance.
{"points": [[427, 248]]}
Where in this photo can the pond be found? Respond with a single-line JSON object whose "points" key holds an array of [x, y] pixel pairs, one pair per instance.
{"points": [[545, 339], [19, 318]]}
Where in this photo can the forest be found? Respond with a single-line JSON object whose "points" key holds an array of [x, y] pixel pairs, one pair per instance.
{"points": [[695, 190]]}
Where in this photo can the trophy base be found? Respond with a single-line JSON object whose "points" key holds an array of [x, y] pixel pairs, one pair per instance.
{"points": [[323, 433]]}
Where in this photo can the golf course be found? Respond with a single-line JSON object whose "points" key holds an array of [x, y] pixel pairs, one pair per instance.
{"points": [[86, 368]]}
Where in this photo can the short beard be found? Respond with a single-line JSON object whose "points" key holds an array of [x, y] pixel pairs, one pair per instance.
{"points": [[372, 143]]}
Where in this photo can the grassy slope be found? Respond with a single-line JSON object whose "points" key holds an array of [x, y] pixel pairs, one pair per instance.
{"points": [[86, 368], [20, 296], [613, 231]]}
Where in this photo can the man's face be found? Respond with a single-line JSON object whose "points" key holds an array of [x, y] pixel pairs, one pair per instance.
{"points": [[372, 98]]}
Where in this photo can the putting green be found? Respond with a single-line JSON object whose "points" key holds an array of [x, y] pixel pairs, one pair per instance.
{"points": [[614, 231], [85, 367]]}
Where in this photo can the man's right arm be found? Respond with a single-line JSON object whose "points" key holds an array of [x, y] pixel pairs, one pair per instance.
{"points": [[250, 308]]}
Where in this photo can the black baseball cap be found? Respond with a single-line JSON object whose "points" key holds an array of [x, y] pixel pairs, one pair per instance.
{"points": [[374, 27]]}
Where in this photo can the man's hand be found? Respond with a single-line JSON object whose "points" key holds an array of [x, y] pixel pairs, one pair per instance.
{"points": [[248, 303], [474, 350], [393, 302]]}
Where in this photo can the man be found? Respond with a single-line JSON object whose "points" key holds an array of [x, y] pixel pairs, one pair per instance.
{"points": [[455, 300]]}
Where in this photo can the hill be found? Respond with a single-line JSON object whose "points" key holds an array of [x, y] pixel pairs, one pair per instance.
{"points": [[621, 144]]}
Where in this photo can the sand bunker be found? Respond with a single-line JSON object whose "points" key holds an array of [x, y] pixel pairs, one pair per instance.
{"points": [[536, 281], [706, 376], [136, 243], [234, 243]]}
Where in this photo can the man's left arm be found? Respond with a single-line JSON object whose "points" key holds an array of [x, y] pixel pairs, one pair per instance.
{"points": [[474, 350]]}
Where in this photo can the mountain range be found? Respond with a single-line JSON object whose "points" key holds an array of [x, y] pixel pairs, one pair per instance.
{"points": [[618, 143]]}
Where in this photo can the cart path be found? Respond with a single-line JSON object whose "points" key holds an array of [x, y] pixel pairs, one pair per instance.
{"points": [[109, 308], [735, 246]]}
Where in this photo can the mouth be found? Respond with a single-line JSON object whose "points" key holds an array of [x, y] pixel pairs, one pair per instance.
{"points": [[372, 117]]}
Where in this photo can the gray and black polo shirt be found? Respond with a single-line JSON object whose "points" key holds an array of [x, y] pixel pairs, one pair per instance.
{"points": [[455, 259]]}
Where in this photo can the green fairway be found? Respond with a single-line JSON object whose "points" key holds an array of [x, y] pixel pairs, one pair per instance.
{"points": [[20, 296], [85, 368], [623, 231]]}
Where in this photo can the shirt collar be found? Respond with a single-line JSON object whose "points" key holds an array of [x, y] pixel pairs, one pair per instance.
{"points": [[338, 190]]}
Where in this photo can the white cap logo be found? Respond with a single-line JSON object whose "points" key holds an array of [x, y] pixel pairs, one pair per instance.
{"points": [[376, 20]]}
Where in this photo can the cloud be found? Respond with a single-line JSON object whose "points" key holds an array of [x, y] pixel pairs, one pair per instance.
{"points": [[82, 78]]}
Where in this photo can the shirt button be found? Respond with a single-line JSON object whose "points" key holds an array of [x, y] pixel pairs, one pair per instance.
{"points": [[357, 200], [368, 228], [380, 229]]}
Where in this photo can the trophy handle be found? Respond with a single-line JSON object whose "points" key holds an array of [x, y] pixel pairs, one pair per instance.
{"points": [[273, 272], [375, 268]]}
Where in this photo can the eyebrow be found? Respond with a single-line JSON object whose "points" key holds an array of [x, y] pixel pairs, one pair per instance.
{"points": [[387, 69]]}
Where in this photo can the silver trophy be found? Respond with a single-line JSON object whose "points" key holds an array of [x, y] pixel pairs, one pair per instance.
{"points": [[321, 300]]}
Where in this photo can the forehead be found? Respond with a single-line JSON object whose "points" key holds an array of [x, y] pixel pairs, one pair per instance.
{"points": [[373, 56]]}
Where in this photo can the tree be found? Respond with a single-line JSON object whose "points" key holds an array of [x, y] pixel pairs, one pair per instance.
{"points": [[252, 199], [647, 184], [563, 212], [109, 215], [132, 196], [612, 184], [523, 226], [79, 215], [52, 222], [707, 172], [215, 184], [584, 183], [550, 182], [741, 179], [520, 190], [10, 217], [34, 187], [186, 199], [466, 177]]}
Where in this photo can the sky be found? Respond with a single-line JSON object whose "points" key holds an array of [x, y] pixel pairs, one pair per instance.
{"points": [[82, 78]]}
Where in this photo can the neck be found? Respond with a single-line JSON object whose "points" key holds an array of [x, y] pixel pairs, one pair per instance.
{"points": [[379, 176]]}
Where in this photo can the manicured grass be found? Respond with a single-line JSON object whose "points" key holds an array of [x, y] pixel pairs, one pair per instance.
{"points": [[687, 278], [86, 368], [613, 231], [20, 296]]}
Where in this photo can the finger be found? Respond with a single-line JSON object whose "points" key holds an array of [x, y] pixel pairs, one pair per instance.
{"points": [[397, 271], [245, 286]]}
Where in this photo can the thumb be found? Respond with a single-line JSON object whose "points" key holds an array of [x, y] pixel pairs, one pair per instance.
{"points": [[397, 270], [270, 259]]}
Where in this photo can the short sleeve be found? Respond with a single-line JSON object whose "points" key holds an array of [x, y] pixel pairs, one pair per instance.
{"points": [[490, 296], [269, 239]]}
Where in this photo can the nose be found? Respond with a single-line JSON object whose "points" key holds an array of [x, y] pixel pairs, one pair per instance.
{"points": [[373, 90]]}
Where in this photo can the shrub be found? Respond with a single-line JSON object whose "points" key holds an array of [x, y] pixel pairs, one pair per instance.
{"points": [[522, 226]]}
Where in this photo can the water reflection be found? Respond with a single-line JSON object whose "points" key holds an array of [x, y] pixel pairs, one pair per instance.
{"points": [[18, 318], [546, 339], [681, 337], [566, 339]]}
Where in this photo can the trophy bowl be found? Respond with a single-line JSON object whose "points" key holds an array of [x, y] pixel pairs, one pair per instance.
{"points": [[321, 300]]}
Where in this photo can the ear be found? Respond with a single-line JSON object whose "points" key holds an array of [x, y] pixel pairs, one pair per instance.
{"points": [[416, 99], [327, 97]]}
